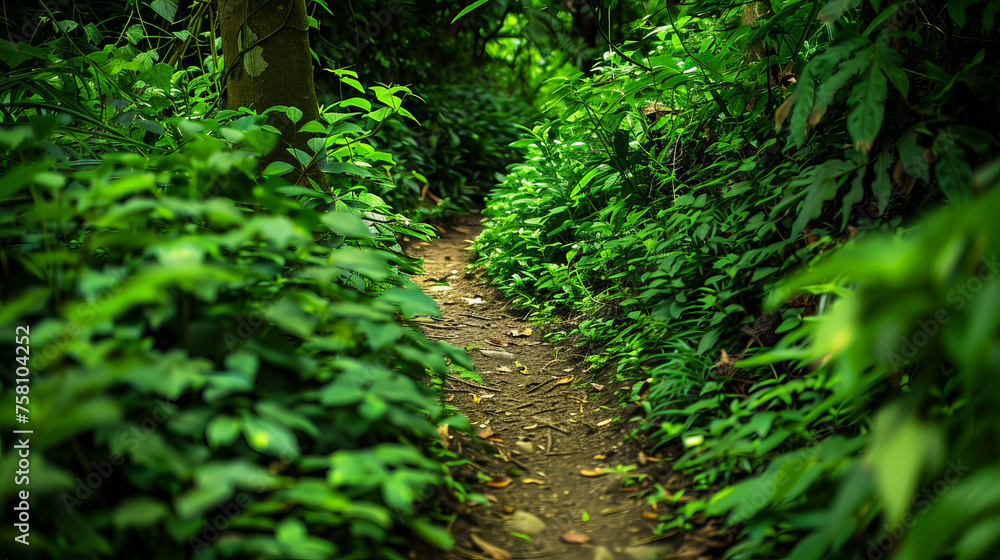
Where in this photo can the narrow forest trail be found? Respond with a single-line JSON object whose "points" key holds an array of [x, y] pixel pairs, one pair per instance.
{"points": [[535, 434]]}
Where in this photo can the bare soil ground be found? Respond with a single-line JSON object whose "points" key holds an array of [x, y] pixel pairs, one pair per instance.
{"points": [[564, 482]]}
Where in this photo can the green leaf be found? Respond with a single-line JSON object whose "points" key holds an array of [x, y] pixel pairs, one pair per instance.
{"points": [[134, 34], [141, 511], [269, 437], [834, 9], [167, 9], [294, 114], [432, 533], [278, 168], [903, 449], [882, 183], [469, 8], [891, 62], [825, 180], [346, 223], [222, 431], [867, 103]]}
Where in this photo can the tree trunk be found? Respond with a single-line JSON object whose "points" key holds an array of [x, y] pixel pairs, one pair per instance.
{"points": [[267, 63]]}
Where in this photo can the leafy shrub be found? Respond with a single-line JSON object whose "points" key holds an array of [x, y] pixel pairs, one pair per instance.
{"points": [[666, 197], [207, 380]]}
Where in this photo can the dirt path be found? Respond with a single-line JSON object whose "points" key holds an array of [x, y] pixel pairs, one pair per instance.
{"points": [[536, 434]]}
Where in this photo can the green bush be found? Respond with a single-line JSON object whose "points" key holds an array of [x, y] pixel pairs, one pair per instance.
{"points": [[209, 381], [665, 198]]}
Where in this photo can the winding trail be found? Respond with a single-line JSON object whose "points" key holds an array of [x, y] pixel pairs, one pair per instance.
{"points": [[537, 433]]}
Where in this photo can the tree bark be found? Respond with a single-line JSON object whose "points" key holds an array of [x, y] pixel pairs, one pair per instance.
{"points": [[267, 62]]}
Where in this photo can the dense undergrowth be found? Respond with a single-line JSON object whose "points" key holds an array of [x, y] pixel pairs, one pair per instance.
{"points": [[667, 204], [219, 362]]}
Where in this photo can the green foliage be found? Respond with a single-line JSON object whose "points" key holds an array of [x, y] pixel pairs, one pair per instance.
{"points": [[220, 364], [666, 197], [205, 360]]}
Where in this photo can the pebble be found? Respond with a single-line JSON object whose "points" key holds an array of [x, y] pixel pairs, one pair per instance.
{"points": [[524, 522], [524, 446]]}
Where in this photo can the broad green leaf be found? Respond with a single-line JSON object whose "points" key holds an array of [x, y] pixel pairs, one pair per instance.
{"points": [[277, 168], [167, 9]]}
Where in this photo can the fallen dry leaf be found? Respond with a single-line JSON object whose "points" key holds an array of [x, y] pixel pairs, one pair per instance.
{"points": [[491, 550], [520, 334], [503, 369], [497, 342], [650, 515], [600, 457], [473, 301], [487, 396], [643, 458], [508, 509], [531, 427], [604, 422], [597, 386], [629, 489], [592, 472], [475, 398], [449, 398], [499, 482], [491, 498], [564, 380], [496, 354], [496, 440], [572, 537], [485, 433], [532, 481]]}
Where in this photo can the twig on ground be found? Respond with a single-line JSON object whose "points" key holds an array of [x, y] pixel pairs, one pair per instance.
{"points": [[475, 385]]}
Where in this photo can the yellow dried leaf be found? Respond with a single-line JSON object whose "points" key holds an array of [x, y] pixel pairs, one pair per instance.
{"points": [[499, 482], [592, 472], [650, 515], [491, 550], [508, 509], [532, 481], [475, 398], [600, 457], [782, 112], [604, 422], [564, 380], [485, 433]]}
